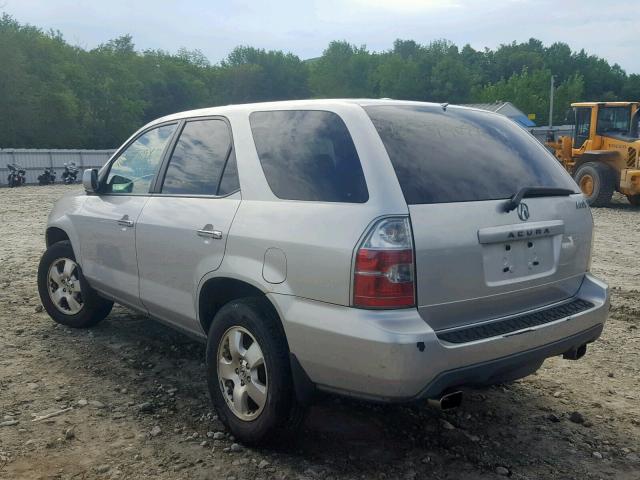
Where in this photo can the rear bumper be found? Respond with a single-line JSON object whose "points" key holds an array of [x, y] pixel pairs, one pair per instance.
{"points": [[396, 356], [507, 368]]}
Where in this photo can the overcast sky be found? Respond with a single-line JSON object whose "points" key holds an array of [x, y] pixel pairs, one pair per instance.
{"points": [[306, 27]]}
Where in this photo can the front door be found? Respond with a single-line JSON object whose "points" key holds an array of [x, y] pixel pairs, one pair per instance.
{"points": [[583, 126], [107, 220], [182, 231]]}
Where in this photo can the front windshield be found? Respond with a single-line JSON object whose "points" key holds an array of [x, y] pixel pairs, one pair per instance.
{"points": [[614, 120]]}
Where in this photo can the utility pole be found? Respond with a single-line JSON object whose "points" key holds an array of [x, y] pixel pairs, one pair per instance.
{"points": [[551, 104]]}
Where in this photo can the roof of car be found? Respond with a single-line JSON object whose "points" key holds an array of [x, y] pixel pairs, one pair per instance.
{"points": [[293, 104]]}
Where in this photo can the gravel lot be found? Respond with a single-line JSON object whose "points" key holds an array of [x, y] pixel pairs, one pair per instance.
{"points": [[137, 407]]}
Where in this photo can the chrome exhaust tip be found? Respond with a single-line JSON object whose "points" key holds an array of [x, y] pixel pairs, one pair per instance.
{"points": [[447, 401], [575, 353]]}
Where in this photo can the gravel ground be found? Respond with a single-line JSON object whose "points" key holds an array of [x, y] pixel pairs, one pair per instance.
{"points": [[136, 404]]}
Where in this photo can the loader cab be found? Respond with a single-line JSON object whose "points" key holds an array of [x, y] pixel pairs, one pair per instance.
{"points": [[614, 121], [582, 125], [595, 120]]}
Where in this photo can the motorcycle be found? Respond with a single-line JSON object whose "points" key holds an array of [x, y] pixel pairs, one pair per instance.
{"points": [[16, 175], [70, 174], [48, 177]]}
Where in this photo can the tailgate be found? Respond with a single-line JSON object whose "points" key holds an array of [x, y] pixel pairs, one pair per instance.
{"points": [[474, 262]]}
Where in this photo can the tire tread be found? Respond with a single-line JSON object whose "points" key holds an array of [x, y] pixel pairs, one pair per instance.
{"points": [[287, 414], [605, 182]]}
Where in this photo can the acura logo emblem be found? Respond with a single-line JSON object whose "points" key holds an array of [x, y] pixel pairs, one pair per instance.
{"points": [[523, 211]]}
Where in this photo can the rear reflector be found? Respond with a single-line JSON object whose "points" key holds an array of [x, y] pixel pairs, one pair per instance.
{"points": [[384, 266]]}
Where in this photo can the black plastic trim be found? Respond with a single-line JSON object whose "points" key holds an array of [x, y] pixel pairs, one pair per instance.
{"points": [[304, 388], [513, 324], [507, 368]]}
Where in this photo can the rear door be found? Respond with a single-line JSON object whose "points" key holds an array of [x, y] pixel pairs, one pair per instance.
{"points": [[107, 220], [182, 232], [475, 261]]}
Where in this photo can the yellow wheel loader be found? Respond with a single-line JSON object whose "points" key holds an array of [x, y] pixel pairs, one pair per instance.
{"points": [[602, 153]]}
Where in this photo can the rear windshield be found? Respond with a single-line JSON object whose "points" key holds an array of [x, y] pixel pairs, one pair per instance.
{"points": [[308, 155], [461, 155]]}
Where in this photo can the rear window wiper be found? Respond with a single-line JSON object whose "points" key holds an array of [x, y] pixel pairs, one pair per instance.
{"points": [[514, 201]]}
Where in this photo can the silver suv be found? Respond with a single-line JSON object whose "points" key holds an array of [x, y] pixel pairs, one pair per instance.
{"points": [[386, 250]]}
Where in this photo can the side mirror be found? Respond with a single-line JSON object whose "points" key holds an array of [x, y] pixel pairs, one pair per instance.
{"points": [[90, 180]]}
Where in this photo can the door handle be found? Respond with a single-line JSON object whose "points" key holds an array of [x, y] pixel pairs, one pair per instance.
{"points": [[125, 222], [208, 232]]}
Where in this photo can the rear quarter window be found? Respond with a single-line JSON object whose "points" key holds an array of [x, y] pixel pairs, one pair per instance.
{"points": [[462, 155], [308, 155]]}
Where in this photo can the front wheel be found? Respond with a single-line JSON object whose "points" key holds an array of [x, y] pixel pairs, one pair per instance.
{"points": [[597, 181], [248, 372], [65, 293]]}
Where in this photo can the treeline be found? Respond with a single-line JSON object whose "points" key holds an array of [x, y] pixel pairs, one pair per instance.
{"points": [[56, 95]]}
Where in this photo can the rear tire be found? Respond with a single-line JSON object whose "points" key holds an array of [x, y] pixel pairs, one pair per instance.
{"points": [[79, 305], [597, 182], [251, 320], [634, 200]]}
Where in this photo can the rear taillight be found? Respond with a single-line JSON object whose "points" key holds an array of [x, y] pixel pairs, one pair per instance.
{"points": [[383, 274]]}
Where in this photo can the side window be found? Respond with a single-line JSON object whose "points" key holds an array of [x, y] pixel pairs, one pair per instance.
{"points": [[230, 182], [308, 155], [135, 168], [198, 159]]}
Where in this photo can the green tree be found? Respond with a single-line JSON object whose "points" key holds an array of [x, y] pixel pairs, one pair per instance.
{"points": [[344, 70], [529, 91], [251, 74], [56, 95]]}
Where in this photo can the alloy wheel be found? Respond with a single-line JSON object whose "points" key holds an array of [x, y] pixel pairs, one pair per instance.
{"points": [[63, 284], [242, 373]]}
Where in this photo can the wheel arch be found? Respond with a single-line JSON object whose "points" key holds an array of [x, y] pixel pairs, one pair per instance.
{"points": [[55, 235], [610, 159], [216, 292]]}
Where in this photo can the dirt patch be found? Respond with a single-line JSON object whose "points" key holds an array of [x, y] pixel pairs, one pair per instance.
{"points": [[139, 406]]}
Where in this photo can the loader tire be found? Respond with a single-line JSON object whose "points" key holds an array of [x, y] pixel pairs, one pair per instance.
{"points": [[597, 182]]}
